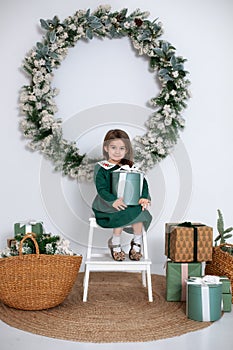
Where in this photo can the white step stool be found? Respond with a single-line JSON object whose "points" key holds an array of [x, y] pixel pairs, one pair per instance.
{"points": [[104, 262]]}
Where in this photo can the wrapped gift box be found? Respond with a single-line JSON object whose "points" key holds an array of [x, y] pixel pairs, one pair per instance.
{"points": [[128, 185], [28, 227], [226, 285], [226, 294], [193, 242], [176, 276], [204, 300], [226, 302]]}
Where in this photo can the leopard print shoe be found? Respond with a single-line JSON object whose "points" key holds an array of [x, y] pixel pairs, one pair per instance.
{"points": [[118, 256], [133, 254]]}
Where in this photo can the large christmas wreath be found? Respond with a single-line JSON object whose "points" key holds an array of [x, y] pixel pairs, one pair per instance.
{"points": [[38, 107]]}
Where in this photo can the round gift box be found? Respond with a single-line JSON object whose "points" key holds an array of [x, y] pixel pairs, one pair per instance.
{"points": [[131, 184], [197, 305]]}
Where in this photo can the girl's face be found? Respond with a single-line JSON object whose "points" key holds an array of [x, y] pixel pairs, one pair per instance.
{"points": [[116, 150]]}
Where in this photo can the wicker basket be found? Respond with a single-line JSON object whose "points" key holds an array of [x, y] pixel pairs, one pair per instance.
{"points": [[221, 264], [37, 281]]}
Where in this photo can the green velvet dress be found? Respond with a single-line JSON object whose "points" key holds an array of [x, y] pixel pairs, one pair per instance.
{"points": [[106, 215]]}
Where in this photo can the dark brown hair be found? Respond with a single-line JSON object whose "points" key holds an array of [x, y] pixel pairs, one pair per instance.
{"points": [[119, 134]]}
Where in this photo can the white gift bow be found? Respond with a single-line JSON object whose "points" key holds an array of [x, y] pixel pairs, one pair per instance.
{"points": [[126, 167]]}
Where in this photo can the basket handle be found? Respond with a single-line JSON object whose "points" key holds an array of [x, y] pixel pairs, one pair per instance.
{"points": [[32, 236]]}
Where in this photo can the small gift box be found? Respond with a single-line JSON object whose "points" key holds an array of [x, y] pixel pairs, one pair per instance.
{"points": [[226, 294], [186, 242], [25, 227], [127, 183], [226, 302], [176, 276], [204, 298]]}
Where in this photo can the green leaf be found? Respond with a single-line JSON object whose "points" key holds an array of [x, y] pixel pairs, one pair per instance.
{"points": [[52, 36], [55, 21], [89, 33], [123, 13], [228, 236], [217, 238], [87, 13], [145, 35], [54, 55], [95, 24], [39, 46], [163, 71], [44, 50], [229, 229], [220, 222], [44, 24], [159, 52]]}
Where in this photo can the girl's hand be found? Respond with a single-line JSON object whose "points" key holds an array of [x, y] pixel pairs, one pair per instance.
{"points": [[145, 203], [119, 204]]}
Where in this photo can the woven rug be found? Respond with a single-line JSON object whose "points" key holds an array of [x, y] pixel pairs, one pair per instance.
{"points": [[117, 310]]}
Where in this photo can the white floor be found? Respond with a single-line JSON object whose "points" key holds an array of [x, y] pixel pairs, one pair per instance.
{"points": [[218, 335]]}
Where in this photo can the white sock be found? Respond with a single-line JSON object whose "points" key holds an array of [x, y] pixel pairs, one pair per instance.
{"points": [[137, 239], [116, 239]]}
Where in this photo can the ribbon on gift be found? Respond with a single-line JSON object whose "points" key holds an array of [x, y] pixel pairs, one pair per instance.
{"points": [[124, 169], [184, 277], [205, 283]]}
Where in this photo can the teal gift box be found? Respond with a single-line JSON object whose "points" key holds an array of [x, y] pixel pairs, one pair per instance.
{"points": [[176, 276], [226, 284], [27, 227], [226, 302], [226, 294], [128, 185], [203, 300]]}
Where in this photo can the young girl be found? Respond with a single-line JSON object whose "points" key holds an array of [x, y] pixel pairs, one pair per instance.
{"points": [[112, 212]]}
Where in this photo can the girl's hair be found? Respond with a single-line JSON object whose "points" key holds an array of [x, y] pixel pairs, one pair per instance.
{"points": [[119, 134]]}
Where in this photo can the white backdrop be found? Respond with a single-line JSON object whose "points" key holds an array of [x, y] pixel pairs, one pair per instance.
{"points": [[107, 81]]}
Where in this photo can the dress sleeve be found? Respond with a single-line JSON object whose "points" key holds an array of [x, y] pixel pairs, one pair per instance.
{"points": [[102, 182], [145, 190]]}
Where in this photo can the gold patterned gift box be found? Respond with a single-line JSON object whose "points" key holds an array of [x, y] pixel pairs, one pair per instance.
{"points": [[187, 242]]}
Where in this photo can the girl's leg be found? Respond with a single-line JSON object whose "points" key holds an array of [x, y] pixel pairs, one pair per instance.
{"points": [[114, 244], [116, 239], [135, 251]]}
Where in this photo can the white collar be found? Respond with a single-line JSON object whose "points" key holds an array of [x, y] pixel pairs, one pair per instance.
{"points": [[106, 164]]}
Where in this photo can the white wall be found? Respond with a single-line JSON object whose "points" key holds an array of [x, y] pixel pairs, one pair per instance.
{"points": [[189, 185]]}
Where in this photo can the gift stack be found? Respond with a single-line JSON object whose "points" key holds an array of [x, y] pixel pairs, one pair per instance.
{"points": [[188, 246]]}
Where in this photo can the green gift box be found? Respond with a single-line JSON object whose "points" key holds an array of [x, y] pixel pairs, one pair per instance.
{"points": [[226, 284], [128, 185], [176, 276], [226, 294], [203, 301], [226, 302], [28, 227]]}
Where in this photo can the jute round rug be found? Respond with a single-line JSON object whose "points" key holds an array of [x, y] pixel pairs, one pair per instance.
{"points": [[117, 310]]}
